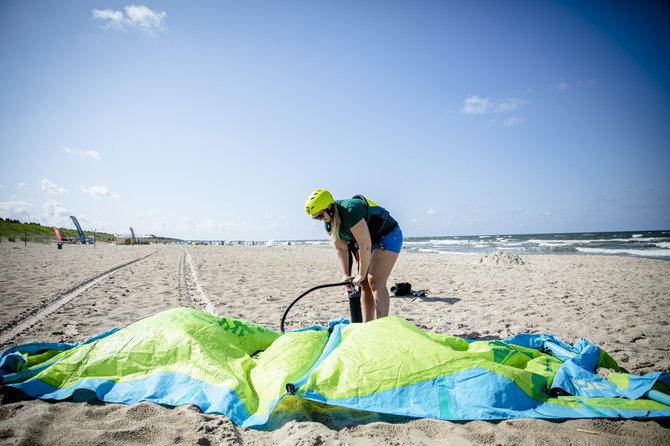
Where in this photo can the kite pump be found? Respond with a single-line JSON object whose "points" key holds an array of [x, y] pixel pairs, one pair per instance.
{"points": [[353, 294]]}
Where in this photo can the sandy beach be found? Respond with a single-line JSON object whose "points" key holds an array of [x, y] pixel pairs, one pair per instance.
{"points": [[620, 304]]}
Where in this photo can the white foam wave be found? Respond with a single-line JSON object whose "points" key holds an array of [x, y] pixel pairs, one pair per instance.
{"points": [[643, 244], [632, 252], [558, 243], [510, 244], [449, 242], [441, 251], [414, 244], [589, 241], [634, 240]]}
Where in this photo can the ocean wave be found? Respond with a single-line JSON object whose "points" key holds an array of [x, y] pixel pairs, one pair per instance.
{"points": [[558, 243], [561, 243], [448, 242], [411, 242], [652, 244], [516, 244], [635, 240], [632, 252], [568, 242], [441, 251], [432, 251]]}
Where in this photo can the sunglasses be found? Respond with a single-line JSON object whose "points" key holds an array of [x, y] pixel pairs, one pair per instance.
{"points": [[319, 215]]}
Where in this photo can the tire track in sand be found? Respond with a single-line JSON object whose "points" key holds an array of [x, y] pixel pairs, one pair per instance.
{"points": [[194, 295], [184, 289], [30, 318]]}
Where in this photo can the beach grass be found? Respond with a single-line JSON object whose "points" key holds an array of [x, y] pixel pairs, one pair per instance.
{"points": [[14, 230]]}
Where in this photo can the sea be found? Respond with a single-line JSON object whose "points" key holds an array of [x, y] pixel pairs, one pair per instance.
{"points": [[649, 244]]}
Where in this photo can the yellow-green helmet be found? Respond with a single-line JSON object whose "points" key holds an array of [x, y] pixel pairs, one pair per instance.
{"points": [[317, 201]]}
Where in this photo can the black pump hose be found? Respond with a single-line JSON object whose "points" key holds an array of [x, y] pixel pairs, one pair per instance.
{"points": [[283, 318]]}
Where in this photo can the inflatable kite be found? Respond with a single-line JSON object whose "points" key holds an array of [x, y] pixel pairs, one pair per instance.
{"points": [[242, 370]]}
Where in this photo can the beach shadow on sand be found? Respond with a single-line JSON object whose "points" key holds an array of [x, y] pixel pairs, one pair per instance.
{"points": [[294, 409], [10, 395], [476, 336], [435, 299]]}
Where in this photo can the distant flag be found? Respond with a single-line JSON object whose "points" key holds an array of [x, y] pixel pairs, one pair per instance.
{"points": [[81, 233], [132, 234], [57, 235]]}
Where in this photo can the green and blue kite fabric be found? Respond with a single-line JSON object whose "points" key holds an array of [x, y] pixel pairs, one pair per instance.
{"points": [[243, 370]]}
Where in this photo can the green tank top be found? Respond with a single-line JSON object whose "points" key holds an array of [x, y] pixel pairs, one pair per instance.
{"points": [[352, 210]]}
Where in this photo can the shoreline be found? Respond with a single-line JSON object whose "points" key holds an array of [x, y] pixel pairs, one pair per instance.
{"points": [[655, 246]]}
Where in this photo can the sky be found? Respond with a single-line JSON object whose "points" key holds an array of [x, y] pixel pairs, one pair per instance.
{"points": [[214, 120]]}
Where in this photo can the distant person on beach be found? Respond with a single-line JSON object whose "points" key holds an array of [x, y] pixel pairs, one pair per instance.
{"points": [[379, 240]]}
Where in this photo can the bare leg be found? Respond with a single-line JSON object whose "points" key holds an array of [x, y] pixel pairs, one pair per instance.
{"points": [[367, 302], [381, 264]]}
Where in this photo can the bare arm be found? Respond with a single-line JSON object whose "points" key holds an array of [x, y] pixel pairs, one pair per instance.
{"points": [[343, 257], [361, 233]]}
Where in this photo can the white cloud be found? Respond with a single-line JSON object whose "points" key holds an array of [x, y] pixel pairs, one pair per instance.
{"points": [[145, 18], [54, 213], [474, 105], [99, 191], [112, 19], [19, 210], [514, 120], [430, 211], [547, 214], [509, 104], [20, 185], [82, 153], [52, 188], [139, 17]]}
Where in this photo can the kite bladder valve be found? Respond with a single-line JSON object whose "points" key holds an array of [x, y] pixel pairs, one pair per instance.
{"points": [[353, 294]]}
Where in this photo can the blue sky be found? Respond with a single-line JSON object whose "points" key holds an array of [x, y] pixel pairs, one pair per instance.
{"points": [[216, 119]]}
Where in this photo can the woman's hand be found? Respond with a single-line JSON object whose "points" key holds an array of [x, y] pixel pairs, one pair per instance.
{"points": [[346, 278], [358, 280]]}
